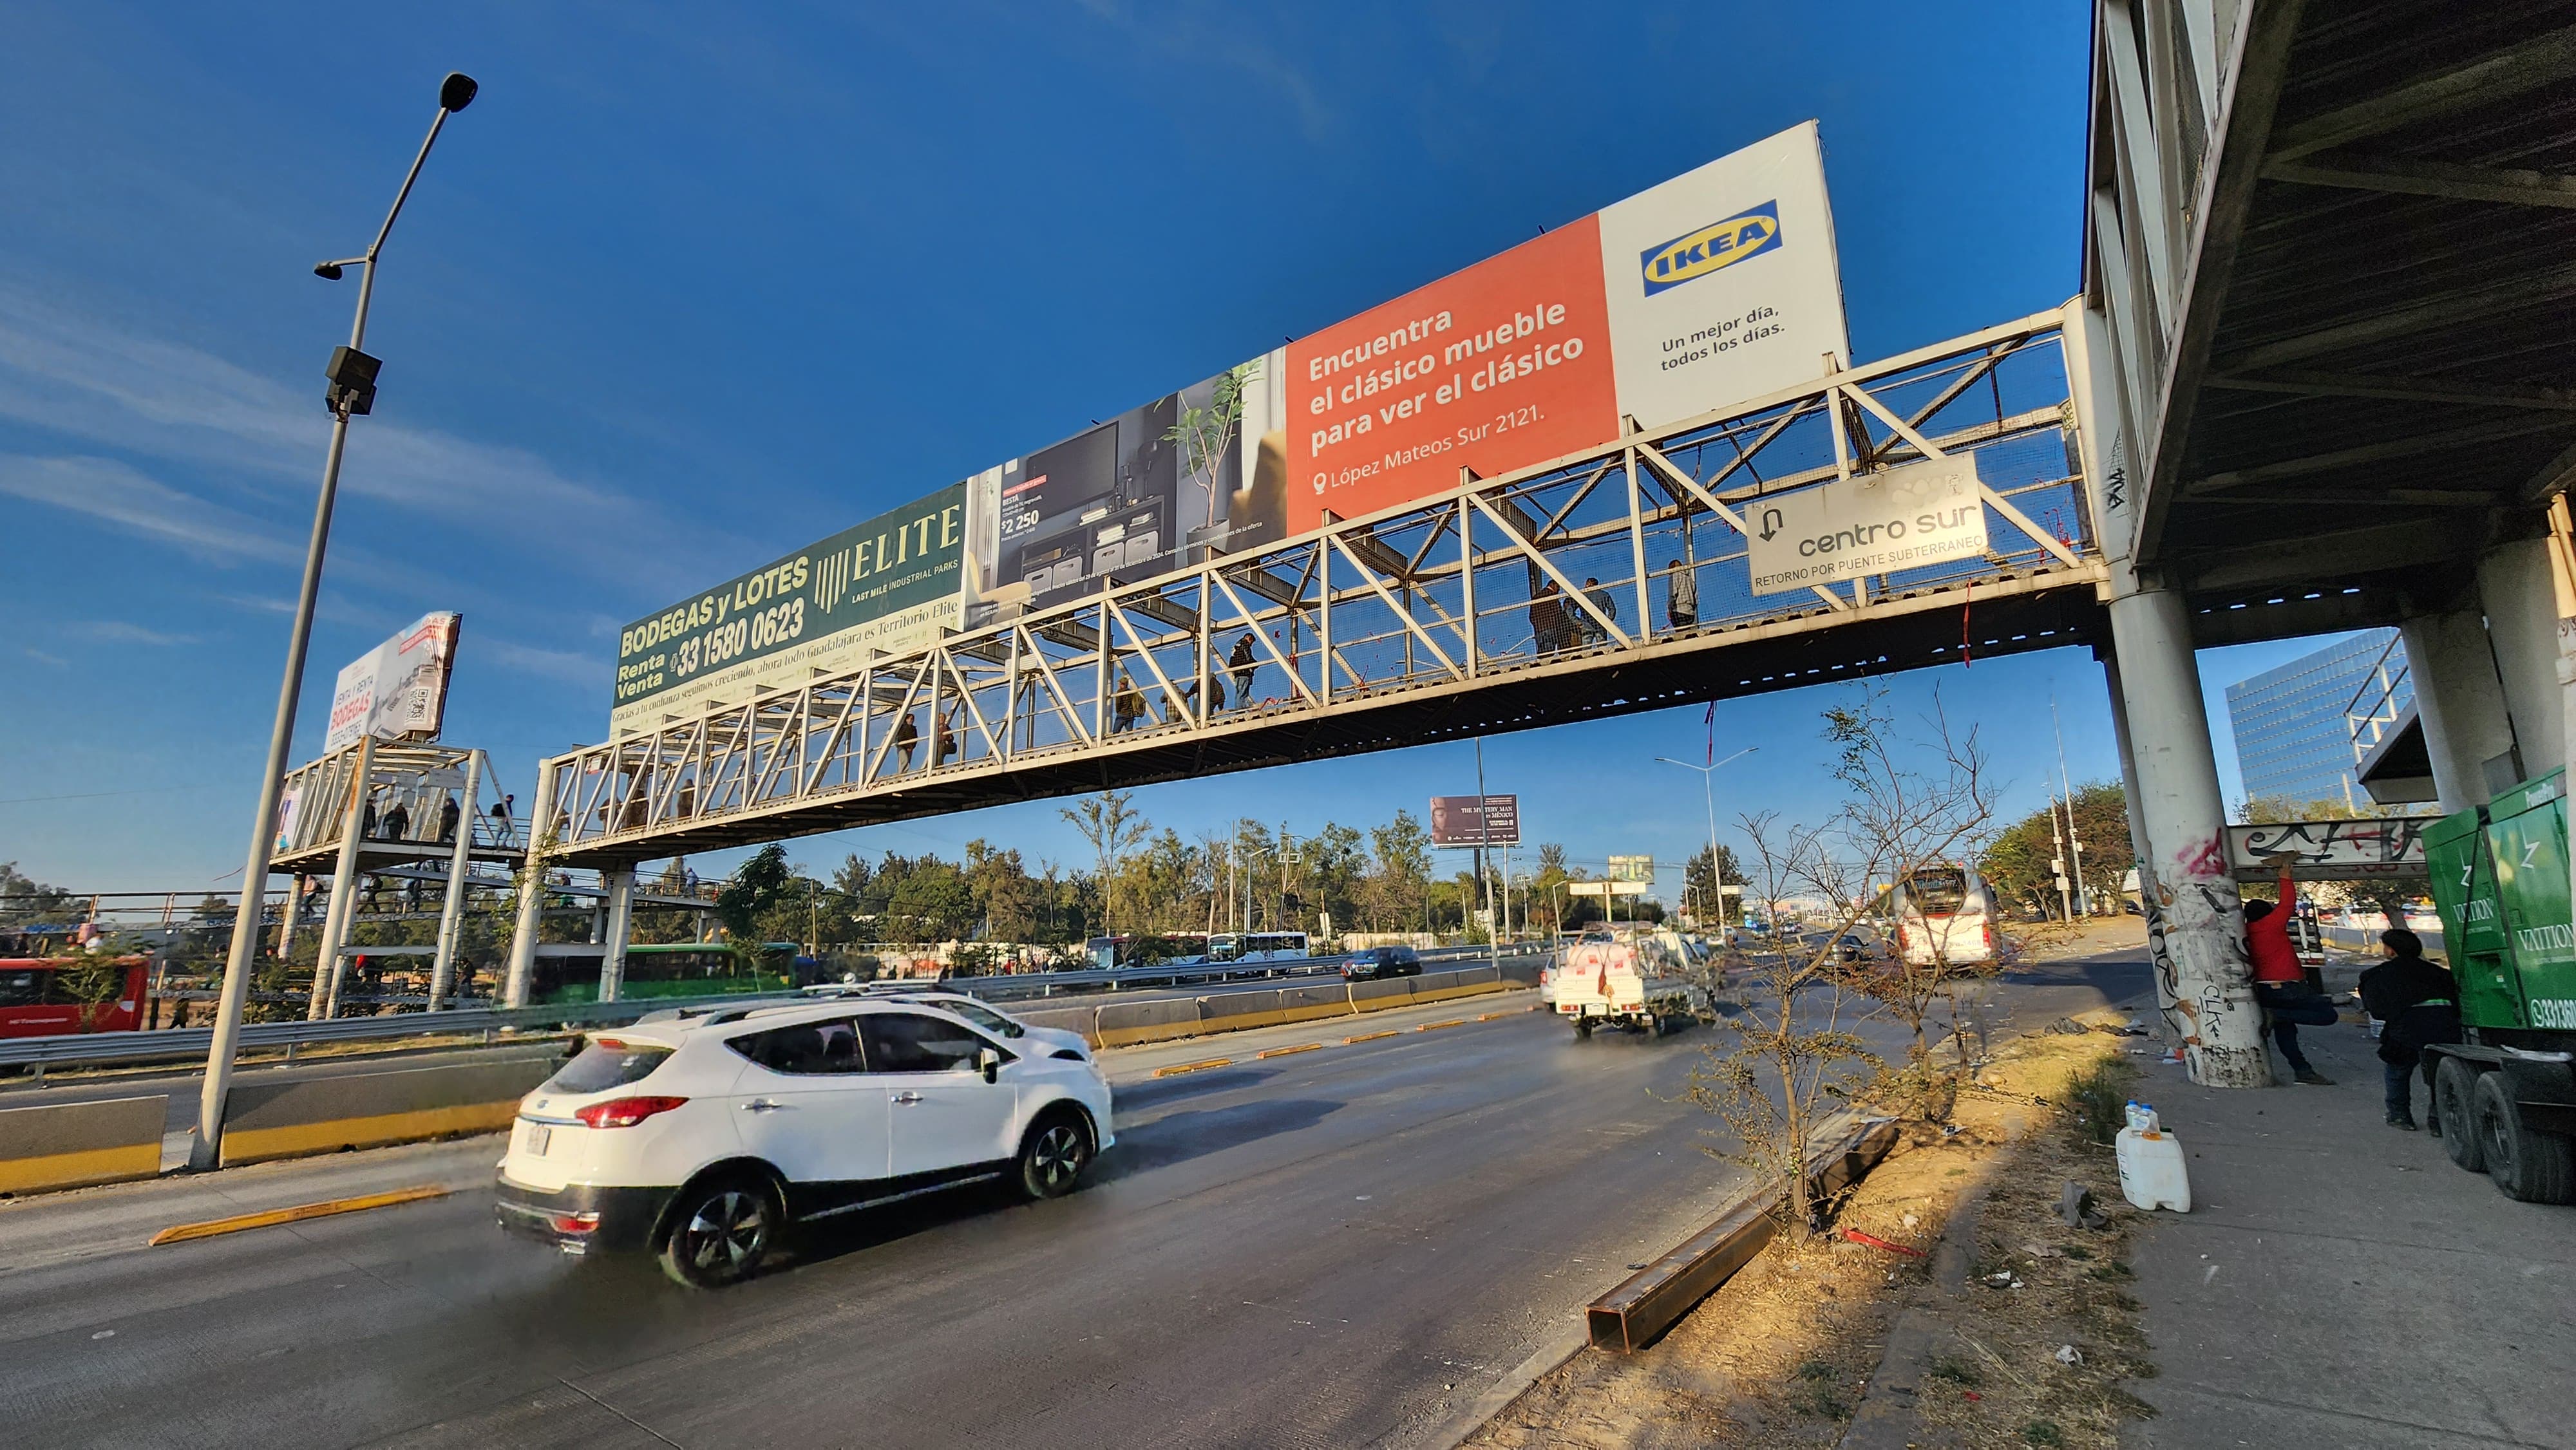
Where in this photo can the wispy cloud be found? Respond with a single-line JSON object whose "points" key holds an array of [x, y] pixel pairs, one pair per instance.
{"points": [[588, 671], [57, 661], [118, 494], [79, 375], [117, 631]]}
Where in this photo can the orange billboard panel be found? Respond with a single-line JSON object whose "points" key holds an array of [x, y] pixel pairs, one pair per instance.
{"points": [[1493, 368]]}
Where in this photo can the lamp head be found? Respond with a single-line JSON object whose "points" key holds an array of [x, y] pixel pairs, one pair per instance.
{"points": [[327, 271], [457, 91]]}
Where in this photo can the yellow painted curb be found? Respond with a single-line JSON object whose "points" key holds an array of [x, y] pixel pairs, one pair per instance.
{"points": [[179, 1233], [80, 1169], [1284, 1051], [1436, 1026], [1177, 1070], [1490, 1016], [1369, 1036]]}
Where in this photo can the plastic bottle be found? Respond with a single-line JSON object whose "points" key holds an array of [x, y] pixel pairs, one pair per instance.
{"points": [[2142, 1116], [2152, 1174]]}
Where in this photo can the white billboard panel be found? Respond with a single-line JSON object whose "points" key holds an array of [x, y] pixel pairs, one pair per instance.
{"points": [[1878, 523], [1722, 283], [398, 689]]}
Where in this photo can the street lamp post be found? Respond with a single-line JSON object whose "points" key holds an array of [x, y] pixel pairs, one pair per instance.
{"points": [[1708, 795], [352, 376]]}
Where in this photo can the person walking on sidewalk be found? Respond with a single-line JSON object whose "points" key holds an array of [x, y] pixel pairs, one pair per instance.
{"points": [[2418, 1005], [2280, 985]]}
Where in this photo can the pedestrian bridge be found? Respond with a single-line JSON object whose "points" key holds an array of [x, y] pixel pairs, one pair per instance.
{"points": [[1605, 582]]}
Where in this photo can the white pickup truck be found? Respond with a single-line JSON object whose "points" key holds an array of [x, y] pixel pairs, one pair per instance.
{"points": [[1639, 983]]}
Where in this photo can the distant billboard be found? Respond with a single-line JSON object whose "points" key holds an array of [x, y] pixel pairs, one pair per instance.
{"points": [[1466, 820], [1704, 292], [1632, 868], [398, 690]]}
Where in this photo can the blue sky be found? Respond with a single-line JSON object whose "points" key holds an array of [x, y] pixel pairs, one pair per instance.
{"points": [[680, 293]]}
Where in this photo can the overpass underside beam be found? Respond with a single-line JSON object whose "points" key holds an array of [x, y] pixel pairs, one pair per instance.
{"points": [[1612, 580]]}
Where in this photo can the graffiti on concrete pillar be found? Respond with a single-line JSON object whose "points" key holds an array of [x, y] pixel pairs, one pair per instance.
{"points": [[2206, 970], [2206, 861]]}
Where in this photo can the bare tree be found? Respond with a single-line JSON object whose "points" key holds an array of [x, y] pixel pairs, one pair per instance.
{"points": [[1910, 802], [1789, 1053]]}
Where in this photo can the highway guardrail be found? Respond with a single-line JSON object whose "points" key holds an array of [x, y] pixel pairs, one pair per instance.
{"points": [[101, 1049]]}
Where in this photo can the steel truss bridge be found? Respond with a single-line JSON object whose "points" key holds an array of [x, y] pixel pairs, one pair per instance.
{"points": [[1556, 593]]}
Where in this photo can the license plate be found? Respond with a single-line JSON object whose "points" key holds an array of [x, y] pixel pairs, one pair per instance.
{"points": [[539, 1135]]}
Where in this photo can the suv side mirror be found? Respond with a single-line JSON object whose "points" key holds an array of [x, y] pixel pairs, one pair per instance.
{"points": [[991, 1062]]}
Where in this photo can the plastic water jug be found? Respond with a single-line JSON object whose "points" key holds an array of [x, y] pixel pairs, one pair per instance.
{"points": [[2151, 1169]]}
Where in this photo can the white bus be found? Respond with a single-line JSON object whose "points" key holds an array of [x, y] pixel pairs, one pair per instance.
{"points": [[1945, 915]]}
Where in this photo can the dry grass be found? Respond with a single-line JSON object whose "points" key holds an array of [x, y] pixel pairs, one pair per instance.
{"points": [[1781, 1355]]}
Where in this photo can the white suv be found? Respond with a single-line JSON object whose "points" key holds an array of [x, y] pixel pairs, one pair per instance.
{"points": [[700, 1139]]}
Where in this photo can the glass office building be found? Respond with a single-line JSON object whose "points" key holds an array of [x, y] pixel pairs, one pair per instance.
{"points": [[2295, 725]]}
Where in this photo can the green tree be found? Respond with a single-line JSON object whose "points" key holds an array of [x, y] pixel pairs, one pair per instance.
{"points": [[1397, 892], [1703, 890], [2017, 863], [755, 888], [1113, 828]]}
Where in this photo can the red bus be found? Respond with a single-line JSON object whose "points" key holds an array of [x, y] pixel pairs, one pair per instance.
{"points": [[33, 1002]]}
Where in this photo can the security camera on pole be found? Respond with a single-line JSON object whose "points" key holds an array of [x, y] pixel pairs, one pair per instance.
{"points": [[352, 392]]}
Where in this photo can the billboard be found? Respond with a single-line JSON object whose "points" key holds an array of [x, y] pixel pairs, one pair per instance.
{"points": [[889, 585], [1709, 290], [1633, 868], [1902, 518], [399, 688], [1466, 820]]}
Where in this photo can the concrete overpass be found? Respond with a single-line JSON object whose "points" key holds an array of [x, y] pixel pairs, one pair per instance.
{"points": [[2327, 295]]}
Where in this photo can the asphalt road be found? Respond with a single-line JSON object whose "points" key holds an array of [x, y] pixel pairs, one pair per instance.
{"points": [[1341, 1247]]}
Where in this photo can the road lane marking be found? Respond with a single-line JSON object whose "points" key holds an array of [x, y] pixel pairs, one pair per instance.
{"points": [[180, 1233], [1369, 1036], [1436, 1026], [1178, 1069], [1284, 1051]]}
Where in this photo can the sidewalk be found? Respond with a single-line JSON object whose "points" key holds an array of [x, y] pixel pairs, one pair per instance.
{"points": [[2338, 1283]]}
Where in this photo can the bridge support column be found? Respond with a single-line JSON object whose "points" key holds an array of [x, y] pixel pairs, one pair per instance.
{"points": [[2521, 597], [2143, 852], [2204, 965], [344, 888], [620, 883], [532, 891], [2460, 704]]}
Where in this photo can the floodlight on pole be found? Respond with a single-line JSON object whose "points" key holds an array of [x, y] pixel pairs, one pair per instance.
{"points": [[352, 391], [1708, 796]]}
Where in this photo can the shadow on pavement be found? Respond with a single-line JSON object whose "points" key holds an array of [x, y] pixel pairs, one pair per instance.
{"points": [[1179, 1137]]}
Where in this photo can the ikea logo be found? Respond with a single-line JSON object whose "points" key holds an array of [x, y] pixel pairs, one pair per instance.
{"points": [[1696, 254]]}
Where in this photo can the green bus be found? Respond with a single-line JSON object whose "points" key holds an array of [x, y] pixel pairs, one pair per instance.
{"points": [[667, 969]]}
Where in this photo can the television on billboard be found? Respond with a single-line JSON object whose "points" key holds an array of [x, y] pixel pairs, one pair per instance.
{"points": [[1694, 296], [398, 690], [1466, 820]]}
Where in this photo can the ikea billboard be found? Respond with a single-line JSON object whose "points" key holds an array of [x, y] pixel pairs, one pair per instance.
{"points": [[1704, 292]]}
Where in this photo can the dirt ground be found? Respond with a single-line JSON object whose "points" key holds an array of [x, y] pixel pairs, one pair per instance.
{"points": [[1782, 1355]]}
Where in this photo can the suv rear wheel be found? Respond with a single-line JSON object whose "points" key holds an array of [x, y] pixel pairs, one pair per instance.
{"points": [[1054, 1154], [721, 1228]]}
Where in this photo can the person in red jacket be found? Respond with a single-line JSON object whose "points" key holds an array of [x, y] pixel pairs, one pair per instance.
{"points": [[2280, 983]]}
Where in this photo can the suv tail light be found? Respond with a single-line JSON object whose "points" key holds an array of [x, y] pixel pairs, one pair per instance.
{"points": [[625, 1112]]}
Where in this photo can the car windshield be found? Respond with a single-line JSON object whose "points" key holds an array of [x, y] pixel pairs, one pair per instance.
{"points": [[979, 1014], [606, 1063]]}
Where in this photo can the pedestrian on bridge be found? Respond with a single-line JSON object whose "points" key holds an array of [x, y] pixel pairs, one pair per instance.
{"points": [[2280, 984], [1241, 663], [2418, 1003], [1127, 706], [449, 812], [1681, 604], [907, 739], [1600, 597], [398, 822], [1546, 618]]}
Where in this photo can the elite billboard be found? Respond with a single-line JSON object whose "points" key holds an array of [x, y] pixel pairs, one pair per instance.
{"points": [[1711, 289], [889, 585], [398, 690]]}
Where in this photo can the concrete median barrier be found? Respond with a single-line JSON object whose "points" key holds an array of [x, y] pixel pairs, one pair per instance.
{"points": [[364, 1110], [72, 1145], [1471, 982], [1123, 1024], [1085, 1020]]}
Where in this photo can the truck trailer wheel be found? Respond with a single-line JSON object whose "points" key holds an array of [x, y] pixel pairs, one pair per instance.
{"points": [[2531, 1166], [2455, 1113]]}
